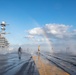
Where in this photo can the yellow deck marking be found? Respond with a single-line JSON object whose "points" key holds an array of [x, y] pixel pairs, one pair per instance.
{"points": [[45, 68]]}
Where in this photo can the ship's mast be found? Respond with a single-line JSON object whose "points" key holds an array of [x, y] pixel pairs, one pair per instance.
{"points": [[3, 25], [3, 32], [4, 45]]}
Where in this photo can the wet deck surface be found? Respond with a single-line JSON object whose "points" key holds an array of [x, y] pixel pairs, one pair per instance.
{"points": [[46, 68], [44, 64], [11, 65]]}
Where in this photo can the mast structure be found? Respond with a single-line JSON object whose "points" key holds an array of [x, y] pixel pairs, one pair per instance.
{"points": [[3, 41], [3, 25]]}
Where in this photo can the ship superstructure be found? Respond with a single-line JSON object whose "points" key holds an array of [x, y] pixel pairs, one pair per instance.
{"points": [[3, 41]]}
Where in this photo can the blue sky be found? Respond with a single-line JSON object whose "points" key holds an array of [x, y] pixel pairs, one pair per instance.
{"points": [[23, 15]]}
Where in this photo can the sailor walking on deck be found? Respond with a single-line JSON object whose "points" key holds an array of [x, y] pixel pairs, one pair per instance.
{"points": [[19, 52], [39, 50]]}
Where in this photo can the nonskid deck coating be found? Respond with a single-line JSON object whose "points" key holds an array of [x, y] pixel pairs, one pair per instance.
{"points": [[45, 68]]}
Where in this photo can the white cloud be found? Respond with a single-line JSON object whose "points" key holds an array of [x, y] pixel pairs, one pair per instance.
{"points": [[36, 31], [59, 34], [29, 36], [40, 39], [51, 31], [58, 28]]}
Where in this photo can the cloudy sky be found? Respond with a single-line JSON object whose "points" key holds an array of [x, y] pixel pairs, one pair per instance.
{"points": [[49, 23]]}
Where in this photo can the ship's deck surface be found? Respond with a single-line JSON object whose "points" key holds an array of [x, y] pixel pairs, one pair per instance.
{"points": [[46, 68], [43, 64]]}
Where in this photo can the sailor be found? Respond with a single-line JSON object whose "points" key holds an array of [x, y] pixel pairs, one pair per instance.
{"points": [[39, 49], [19, 52]]}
